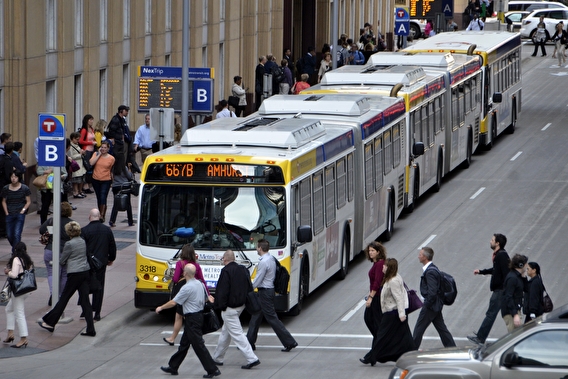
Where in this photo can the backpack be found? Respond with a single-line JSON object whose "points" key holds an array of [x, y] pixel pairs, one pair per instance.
{"points": [[340, 57], [281, 278], [448, 288], [480, 26], [278, 74]]}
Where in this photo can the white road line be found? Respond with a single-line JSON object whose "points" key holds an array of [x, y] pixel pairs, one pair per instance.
{"points": [[425, 243], [353, 311], [477, 193], [546, 126], [516, 156]]}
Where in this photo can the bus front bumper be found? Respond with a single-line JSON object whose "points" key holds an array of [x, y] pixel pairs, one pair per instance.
{"points": [[150, 299]]}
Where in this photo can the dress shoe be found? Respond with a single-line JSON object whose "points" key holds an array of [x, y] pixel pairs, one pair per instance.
{"points": [[89, 334], [97, 317], [216, 362], [49, 301], [288, 348], [45, 326], [168, 342], [170, 370], [475, 340], [213, 374], [366, 362], [250, 365]]}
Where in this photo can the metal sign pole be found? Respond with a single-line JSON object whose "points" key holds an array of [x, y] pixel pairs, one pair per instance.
{"points": [[56, 233]]}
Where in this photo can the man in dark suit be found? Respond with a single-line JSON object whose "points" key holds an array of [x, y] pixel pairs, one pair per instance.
{"points": [[431, 312], [259, 79], [310, 65], [101, 244]]}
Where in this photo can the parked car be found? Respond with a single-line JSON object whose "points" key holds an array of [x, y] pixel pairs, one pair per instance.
{"points": [[515, 18], [538, 349], [551, 18], [533, 5]]}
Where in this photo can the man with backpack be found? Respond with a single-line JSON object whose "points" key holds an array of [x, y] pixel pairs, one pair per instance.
{"points": [[264, 281], [476, 23], [432, 292]]}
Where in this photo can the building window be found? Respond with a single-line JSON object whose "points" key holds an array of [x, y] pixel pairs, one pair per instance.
{"points": [[103, 9], [147, 62], [168, 60], [126, 83], [50, 96], [168, 7], [126, 18], [204, 56], [78, 99], [79, 22], [222, 10], [103, 93], [205, 7], [51, 25], [1, 36], [148, 16]]}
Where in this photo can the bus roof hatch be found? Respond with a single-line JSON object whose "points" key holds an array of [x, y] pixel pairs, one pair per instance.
{"points": [[343, 105], [391, 75]]}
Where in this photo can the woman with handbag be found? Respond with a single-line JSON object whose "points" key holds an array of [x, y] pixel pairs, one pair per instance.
{"points": [[76, 154], [15, 311], [78, 279], [16, 200], [533, 293], [187, 256], [394, 337], [377, 254], [121, 186]]}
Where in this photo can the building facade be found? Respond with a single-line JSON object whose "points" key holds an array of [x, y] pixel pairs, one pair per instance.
{"points": [[82, 56]]}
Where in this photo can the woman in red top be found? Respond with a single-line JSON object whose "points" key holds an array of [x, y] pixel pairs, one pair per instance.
{"points": [[187, 256], [302, 85], [87, 142], [377, 254]]}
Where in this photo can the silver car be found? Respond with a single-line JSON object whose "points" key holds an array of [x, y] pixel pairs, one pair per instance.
{"points": [[537, 350]]}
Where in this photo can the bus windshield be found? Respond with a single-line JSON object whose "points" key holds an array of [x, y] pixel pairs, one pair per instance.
{"points": [[215, 218]]}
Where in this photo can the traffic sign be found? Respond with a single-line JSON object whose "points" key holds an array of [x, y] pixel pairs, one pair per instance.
{"points": [[51, 126], [51, 153], [401, 14], [202, 99], [402, 28]]}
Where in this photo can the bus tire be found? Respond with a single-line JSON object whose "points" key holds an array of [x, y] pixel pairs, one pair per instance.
{"points": [[511, 128], [303, 288], [344, 268], [387, 235], [438, 184], [467, 161], [415, 190], [489, 145]]}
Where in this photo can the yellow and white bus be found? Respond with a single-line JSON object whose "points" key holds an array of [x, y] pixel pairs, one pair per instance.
{"points": [[424, 97], [501, 65], [300, 183]]}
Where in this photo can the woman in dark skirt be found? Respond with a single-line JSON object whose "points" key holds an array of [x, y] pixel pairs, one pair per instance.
{"points": [[394, 337], [377, 254]]}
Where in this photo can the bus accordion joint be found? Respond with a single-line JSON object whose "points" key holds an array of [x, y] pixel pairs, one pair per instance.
{"points": [[394, 91]]}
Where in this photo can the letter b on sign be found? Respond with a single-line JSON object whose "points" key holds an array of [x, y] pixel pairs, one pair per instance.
{"points": [[201, 95]]}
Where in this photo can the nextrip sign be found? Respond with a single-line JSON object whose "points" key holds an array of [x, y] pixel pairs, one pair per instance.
{"points": [[51, 144]]}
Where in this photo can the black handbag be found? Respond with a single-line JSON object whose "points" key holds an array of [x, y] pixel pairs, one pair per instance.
{"points": [[252, 304], [94, 284], [547, 305], [121, 200], [94, 262], [211, 322], [24, 283], [134, 188], [233, 101]]}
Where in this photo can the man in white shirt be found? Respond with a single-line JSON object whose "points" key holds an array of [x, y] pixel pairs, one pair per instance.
{"points": [[476, 23], [223, 110], [142, 139]]}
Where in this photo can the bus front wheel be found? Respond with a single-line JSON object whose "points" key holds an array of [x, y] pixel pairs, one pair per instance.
{"points": [[303, 289], [344, 268]]}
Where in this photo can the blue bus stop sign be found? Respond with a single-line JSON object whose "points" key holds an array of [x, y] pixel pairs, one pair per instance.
{"points": [[51, 144]]}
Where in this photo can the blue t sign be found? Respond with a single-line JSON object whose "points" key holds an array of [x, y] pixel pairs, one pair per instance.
{"points": [[51, 144]]}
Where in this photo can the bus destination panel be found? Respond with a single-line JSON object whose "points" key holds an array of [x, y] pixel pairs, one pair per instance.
{"points": [[213, 173], [161, 93]]}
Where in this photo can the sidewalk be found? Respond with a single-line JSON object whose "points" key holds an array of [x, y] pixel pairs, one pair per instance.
{"points": [[119, 287]]}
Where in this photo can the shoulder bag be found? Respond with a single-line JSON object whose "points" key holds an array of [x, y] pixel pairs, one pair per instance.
{"points": [[210, 320], [40, 181], [94, 262], [233, 101], [252, 302], [547, 305], [414, 302], [24, 283]]}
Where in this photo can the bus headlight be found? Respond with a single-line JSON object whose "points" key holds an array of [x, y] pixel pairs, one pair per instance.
{"points": [[155, 278]]}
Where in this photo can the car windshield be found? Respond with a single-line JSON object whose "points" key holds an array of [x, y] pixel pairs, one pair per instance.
{"points": [[488, 349], [216, 218]]}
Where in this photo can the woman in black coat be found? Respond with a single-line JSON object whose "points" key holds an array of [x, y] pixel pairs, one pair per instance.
{"points": [[533, 293], [513, 289]]}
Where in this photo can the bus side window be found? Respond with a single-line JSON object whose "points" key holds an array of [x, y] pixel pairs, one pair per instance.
{"points": [[378, 162], [305, 203], [317, 181], [369, 183], [350, 177], [330, 195], [341, 183]]}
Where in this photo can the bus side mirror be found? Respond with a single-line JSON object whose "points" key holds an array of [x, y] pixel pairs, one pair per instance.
{"points": [[304, 234], [497, 97], [418, 149]]}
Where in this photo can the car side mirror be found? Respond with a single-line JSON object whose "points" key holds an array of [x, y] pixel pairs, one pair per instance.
{"points": [[497, 97], [511, 359], [418, 149], [304, 233]]}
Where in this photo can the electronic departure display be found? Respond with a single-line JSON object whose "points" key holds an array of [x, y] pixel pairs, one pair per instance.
{"points": [[161, 93], [213, 173], [426, 8]]}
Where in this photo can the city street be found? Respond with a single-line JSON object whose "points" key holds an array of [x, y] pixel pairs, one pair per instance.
{"points": [[518, 189]]}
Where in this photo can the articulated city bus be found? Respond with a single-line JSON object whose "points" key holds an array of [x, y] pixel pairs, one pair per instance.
{"points": [[501, 66], [424, 95], [316, 190]]}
